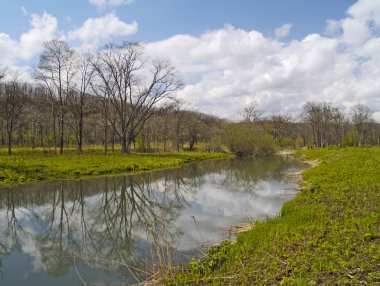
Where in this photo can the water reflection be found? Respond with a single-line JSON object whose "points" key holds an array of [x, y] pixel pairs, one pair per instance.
{"points": [[95, 230]]}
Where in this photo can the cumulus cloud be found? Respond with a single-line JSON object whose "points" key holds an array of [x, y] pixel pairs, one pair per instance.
{"points": [[226, 69], [362, 23], [98, 30], [42, 28], [8, 50], [283, 31], [102, 3]]}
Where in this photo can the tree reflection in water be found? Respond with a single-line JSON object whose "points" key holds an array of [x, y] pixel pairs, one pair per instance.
{"points": [[120, 224]]}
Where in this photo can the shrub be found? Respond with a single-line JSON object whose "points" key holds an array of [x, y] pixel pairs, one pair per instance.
{"points": [[245, 138]]}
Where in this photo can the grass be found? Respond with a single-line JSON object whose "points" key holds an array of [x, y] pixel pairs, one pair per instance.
{"points": [[33, 165], [329, 234]]}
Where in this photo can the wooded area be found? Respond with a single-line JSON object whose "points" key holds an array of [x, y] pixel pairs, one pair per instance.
{"points": [[118, 97]]}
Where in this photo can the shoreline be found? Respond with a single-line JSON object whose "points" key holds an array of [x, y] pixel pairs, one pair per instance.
{"points": [[329, 228], [294, 177], [24, 169], [241, 228]]}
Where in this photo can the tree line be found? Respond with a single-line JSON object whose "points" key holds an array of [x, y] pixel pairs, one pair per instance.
{"points": [[119, 97]]}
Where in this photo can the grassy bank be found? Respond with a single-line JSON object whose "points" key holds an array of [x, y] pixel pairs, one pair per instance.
{"points": [[328, 235], [27, 165]]}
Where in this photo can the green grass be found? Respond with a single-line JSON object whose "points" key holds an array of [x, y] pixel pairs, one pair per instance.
{"points": [[32, 165], [329, 234]]}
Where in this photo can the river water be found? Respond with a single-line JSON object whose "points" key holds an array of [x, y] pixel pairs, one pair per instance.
{"points": [[111, 230]]}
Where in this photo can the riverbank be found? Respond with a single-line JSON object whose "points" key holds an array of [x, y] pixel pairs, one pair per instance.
{"points": [[328, 234], [33, 165]]}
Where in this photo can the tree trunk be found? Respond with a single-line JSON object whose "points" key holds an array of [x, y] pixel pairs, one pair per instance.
{"points": [[80, 134], [128, 147], [123, 143], [105, 140], [192, 144], [54, 134], [9, 143], [113, 137], [61, 135], [41, 134]]}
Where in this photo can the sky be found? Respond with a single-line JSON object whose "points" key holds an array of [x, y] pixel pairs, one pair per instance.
{"points": [[277, 54]]}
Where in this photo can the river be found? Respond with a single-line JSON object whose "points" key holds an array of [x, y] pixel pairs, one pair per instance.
{"points": [[112, 230]]}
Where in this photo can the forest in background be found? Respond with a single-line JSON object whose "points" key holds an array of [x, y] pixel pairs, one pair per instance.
{"points": [[118, 99]]}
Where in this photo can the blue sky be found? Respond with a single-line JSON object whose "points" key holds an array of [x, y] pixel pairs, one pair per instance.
{"points": [[160, 19], [277, 54]]}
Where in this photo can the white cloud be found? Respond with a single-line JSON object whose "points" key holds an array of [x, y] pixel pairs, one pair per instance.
{"points": [[226, 69], [24, 10], [42, 28], [362, 23], [7, 50], [283, 31], [102, 3], [95, 31], [333, 27]]}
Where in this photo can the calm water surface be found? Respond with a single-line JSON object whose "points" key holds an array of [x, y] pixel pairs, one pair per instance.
{"points": [[110, 230]]}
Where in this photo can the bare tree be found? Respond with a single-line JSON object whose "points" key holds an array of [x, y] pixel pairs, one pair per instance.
{"points": [[282, 125], [251, 113], [103, 107], [123, 76], [56, 71], [318, 116], [178, 126], [339, 126], [12, 104], [194, 127], [328, 125], [76, 97], [361, 117]]}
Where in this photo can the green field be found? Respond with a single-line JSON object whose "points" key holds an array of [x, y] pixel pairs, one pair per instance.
{"points": [[329, 234], [32, 165]]}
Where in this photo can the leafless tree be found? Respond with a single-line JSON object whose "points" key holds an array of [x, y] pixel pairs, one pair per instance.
{"points": [[281, 125], [12, 105], [76, 97], [361, 116], [194, 127], [316, 116], [103, 107], [328, 125], [339, 126], [252, 113], [56, 70], [134, 86]]}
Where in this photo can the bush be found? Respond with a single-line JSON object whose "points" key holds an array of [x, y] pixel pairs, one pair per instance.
{"points": [[245, 138], [216, 145], [286, 142]]}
